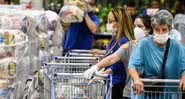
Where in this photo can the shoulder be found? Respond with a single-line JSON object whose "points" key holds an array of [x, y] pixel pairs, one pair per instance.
{"points": [[129, 44], [175, 43], [145, 41], [94, 17], [124, 39]]}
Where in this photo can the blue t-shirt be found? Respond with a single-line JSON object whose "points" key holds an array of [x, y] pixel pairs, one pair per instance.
{"points": [[79, 35], [119, 72], [149, 57]]}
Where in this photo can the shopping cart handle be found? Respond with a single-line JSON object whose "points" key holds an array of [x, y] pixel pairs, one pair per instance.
{"points": [[161, 80], [81, 74], [100, 74]]}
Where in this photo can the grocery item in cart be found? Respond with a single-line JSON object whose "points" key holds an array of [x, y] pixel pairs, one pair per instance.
{"points": [[74, 86]]}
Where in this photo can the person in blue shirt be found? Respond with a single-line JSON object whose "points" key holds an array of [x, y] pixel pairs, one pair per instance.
{"points": [[148, 55], [120, 24], [81, 35]]}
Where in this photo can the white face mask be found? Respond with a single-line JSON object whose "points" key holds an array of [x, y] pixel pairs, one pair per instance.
{"points": [[110, 28], [139, 33], [161, 38]]}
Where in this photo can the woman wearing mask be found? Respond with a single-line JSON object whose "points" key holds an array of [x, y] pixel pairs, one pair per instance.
{"points": [[142, 29], [150, 53], [120, 24]]}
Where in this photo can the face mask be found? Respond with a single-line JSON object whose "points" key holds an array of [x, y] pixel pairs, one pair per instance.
{"points": [[161, 38], [110, 28], [139, 33]]}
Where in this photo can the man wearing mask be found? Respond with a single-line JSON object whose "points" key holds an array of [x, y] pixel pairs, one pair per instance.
{"points": [[81, 35], [150, 55]]}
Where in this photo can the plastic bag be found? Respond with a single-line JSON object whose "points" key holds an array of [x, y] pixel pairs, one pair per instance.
{"points": [[13, 64], [71, 13], [55, 33], [42, 23], [6, 92], [10, 22], [78, 3], [179, 24]]}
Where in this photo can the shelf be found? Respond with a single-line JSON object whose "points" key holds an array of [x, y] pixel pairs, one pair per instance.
{"points": [[103, 35]]}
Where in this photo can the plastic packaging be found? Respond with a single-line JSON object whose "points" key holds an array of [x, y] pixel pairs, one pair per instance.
{"points": [[69, 14], [10, 22], [13, 52], [55, 33]]}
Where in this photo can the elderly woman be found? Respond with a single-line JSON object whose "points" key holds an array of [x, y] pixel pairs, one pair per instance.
{"points": [[149, 54]]}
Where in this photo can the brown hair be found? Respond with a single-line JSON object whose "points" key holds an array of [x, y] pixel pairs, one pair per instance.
{"points": [[124, 20]]}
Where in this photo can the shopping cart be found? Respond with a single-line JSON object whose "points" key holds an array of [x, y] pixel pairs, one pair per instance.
{"points": [[82, 53], [91, 60], [75, 86], [67, 67], [52, 68], [160, 89], [77, 63]]}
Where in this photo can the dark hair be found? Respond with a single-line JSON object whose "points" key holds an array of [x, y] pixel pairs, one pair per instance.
{"points": [[146, 19]]}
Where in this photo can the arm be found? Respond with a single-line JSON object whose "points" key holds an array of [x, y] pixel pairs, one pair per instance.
{"points": [[103, 63], [91, 25], [109, 60], [115, 57], [182, 81], [108, 71], [181, 67], [98, 51], [138, 85], [136, 62], [134, 74]]}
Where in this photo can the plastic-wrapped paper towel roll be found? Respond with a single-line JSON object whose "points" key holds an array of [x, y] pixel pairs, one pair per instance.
{"points": [[54, 24], [55, 33], [52, 19], [71, 14], [10, 22], [42, 23], [72, 11], [15, 45], [24, 23], [13, 52]]}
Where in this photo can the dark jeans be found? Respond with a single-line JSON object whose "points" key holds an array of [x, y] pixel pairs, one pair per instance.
{"points": [[117, 91]]}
